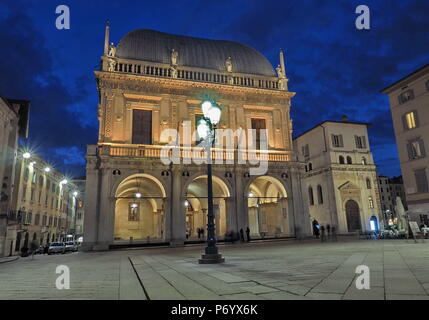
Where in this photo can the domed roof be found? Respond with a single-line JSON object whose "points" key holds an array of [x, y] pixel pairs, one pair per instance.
{"points": [[150, 45]]}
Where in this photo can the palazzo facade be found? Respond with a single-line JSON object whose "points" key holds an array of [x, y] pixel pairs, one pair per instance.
{"points": [[151, 82]]}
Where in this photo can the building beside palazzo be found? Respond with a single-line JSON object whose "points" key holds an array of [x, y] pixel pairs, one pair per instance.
{"points": [[13, 125], [390, 189], [340, 177], [78, 216], [42, 202], [153, 81], [409, 101]]}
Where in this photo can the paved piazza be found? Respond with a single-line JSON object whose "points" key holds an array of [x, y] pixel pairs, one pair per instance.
{"points": [[399, 269]]}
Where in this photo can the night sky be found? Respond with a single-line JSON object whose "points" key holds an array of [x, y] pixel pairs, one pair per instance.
{"points": [[334, 68]]}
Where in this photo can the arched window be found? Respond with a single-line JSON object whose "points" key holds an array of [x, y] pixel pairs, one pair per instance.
{"points": [[349, 160], [310, 196], [364, 161], [319, 194], [368, 183], [341, 160], [310, 166], [306, 168]]}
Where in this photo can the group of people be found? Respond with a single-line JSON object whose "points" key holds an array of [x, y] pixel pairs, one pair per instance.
{"points": [[231, 236], [322, 233]]}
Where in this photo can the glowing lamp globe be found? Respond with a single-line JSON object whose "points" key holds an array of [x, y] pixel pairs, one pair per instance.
{"points": [[205, 106]]}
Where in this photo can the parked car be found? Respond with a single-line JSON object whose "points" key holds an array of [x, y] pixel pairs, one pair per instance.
{"points": [[57, 247], [71, 246]]}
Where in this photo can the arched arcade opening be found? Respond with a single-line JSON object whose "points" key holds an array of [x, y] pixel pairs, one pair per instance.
{"points": [[139, 209]]}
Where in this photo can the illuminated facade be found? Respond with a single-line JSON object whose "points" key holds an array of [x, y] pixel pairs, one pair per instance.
{"points": [[409, 99], [153, 81], [42, 204], [13, 125], [340, 176]]}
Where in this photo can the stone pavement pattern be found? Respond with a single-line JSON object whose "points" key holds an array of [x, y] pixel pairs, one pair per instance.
{"points": [[399, 269]]}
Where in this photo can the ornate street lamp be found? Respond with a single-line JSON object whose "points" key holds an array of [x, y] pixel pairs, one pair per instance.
{"points": [[206, 130]]}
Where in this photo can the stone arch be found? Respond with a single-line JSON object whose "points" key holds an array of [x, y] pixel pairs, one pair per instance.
{"points": [[267, 207], [195, 192], [139, 209]]}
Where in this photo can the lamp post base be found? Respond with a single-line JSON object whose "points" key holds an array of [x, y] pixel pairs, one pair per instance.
{"points": [[211, 259]]}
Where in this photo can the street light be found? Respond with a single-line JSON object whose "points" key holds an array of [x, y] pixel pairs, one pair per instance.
{"points": [[207, 130], [26, 155]]}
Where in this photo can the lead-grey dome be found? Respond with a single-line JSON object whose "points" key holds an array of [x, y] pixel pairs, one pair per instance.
{"points": [[150, 45]]}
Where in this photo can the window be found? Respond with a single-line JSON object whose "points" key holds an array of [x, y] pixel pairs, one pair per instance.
{"points": [[41, 181], [421, 180], [416, 149], [368, 183], [259, 126], [55, 221], [44, 218], [50, 220], [29, 217], [142, 127], [310, 196], [406, 96], [48, 184], [37, 219], [310, 166], [32, 194], [364, 161], [342, 160], [371, 203], [360, 142], [349, 160], [40, 196], [337, 141], [410, 120], [34, 178], [306, 151], [133, 212], [319, 194]]}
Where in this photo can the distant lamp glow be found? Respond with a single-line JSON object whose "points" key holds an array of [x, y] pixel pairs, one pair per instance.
{"points": [[251, 194], [32, 163], [138, 195], [205, 106], [75, 193], [214, 114], [186, 203], [134, 205], [47, 169], [202, 129], [64, 181], [26, 155]]}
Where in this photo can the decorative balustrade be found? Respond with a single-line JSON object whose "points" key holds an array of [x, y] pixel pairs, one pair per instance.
{"points": [[196, 153], [186, 74]]}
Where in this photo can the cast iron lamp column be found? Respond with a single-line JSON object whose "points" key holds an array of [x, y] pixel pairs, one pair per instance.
{"points": [[207, 130]]}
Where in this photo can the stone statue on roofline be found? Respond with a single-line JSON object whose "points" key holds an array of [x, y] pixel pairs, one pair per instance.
{"points": [[112, 50], [228, 64], [112, 64], [174, 56]]}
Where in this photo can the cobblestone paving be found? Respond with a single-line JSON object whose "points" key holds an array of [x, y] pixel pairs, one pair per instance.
{"points": [[399, 269]]}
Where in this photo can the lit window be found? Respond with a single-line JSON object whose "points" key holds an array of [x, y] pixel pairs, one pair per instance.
{"points": [[410, 120], [371, 203]]}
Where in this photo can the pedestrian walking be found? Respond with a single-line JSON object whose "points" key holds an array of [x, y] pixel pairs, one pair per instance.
{"points": [[199, 232], [316, 231], [323, 237], [328, 231], [33, 248], [248, 234], [242, 235]]}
